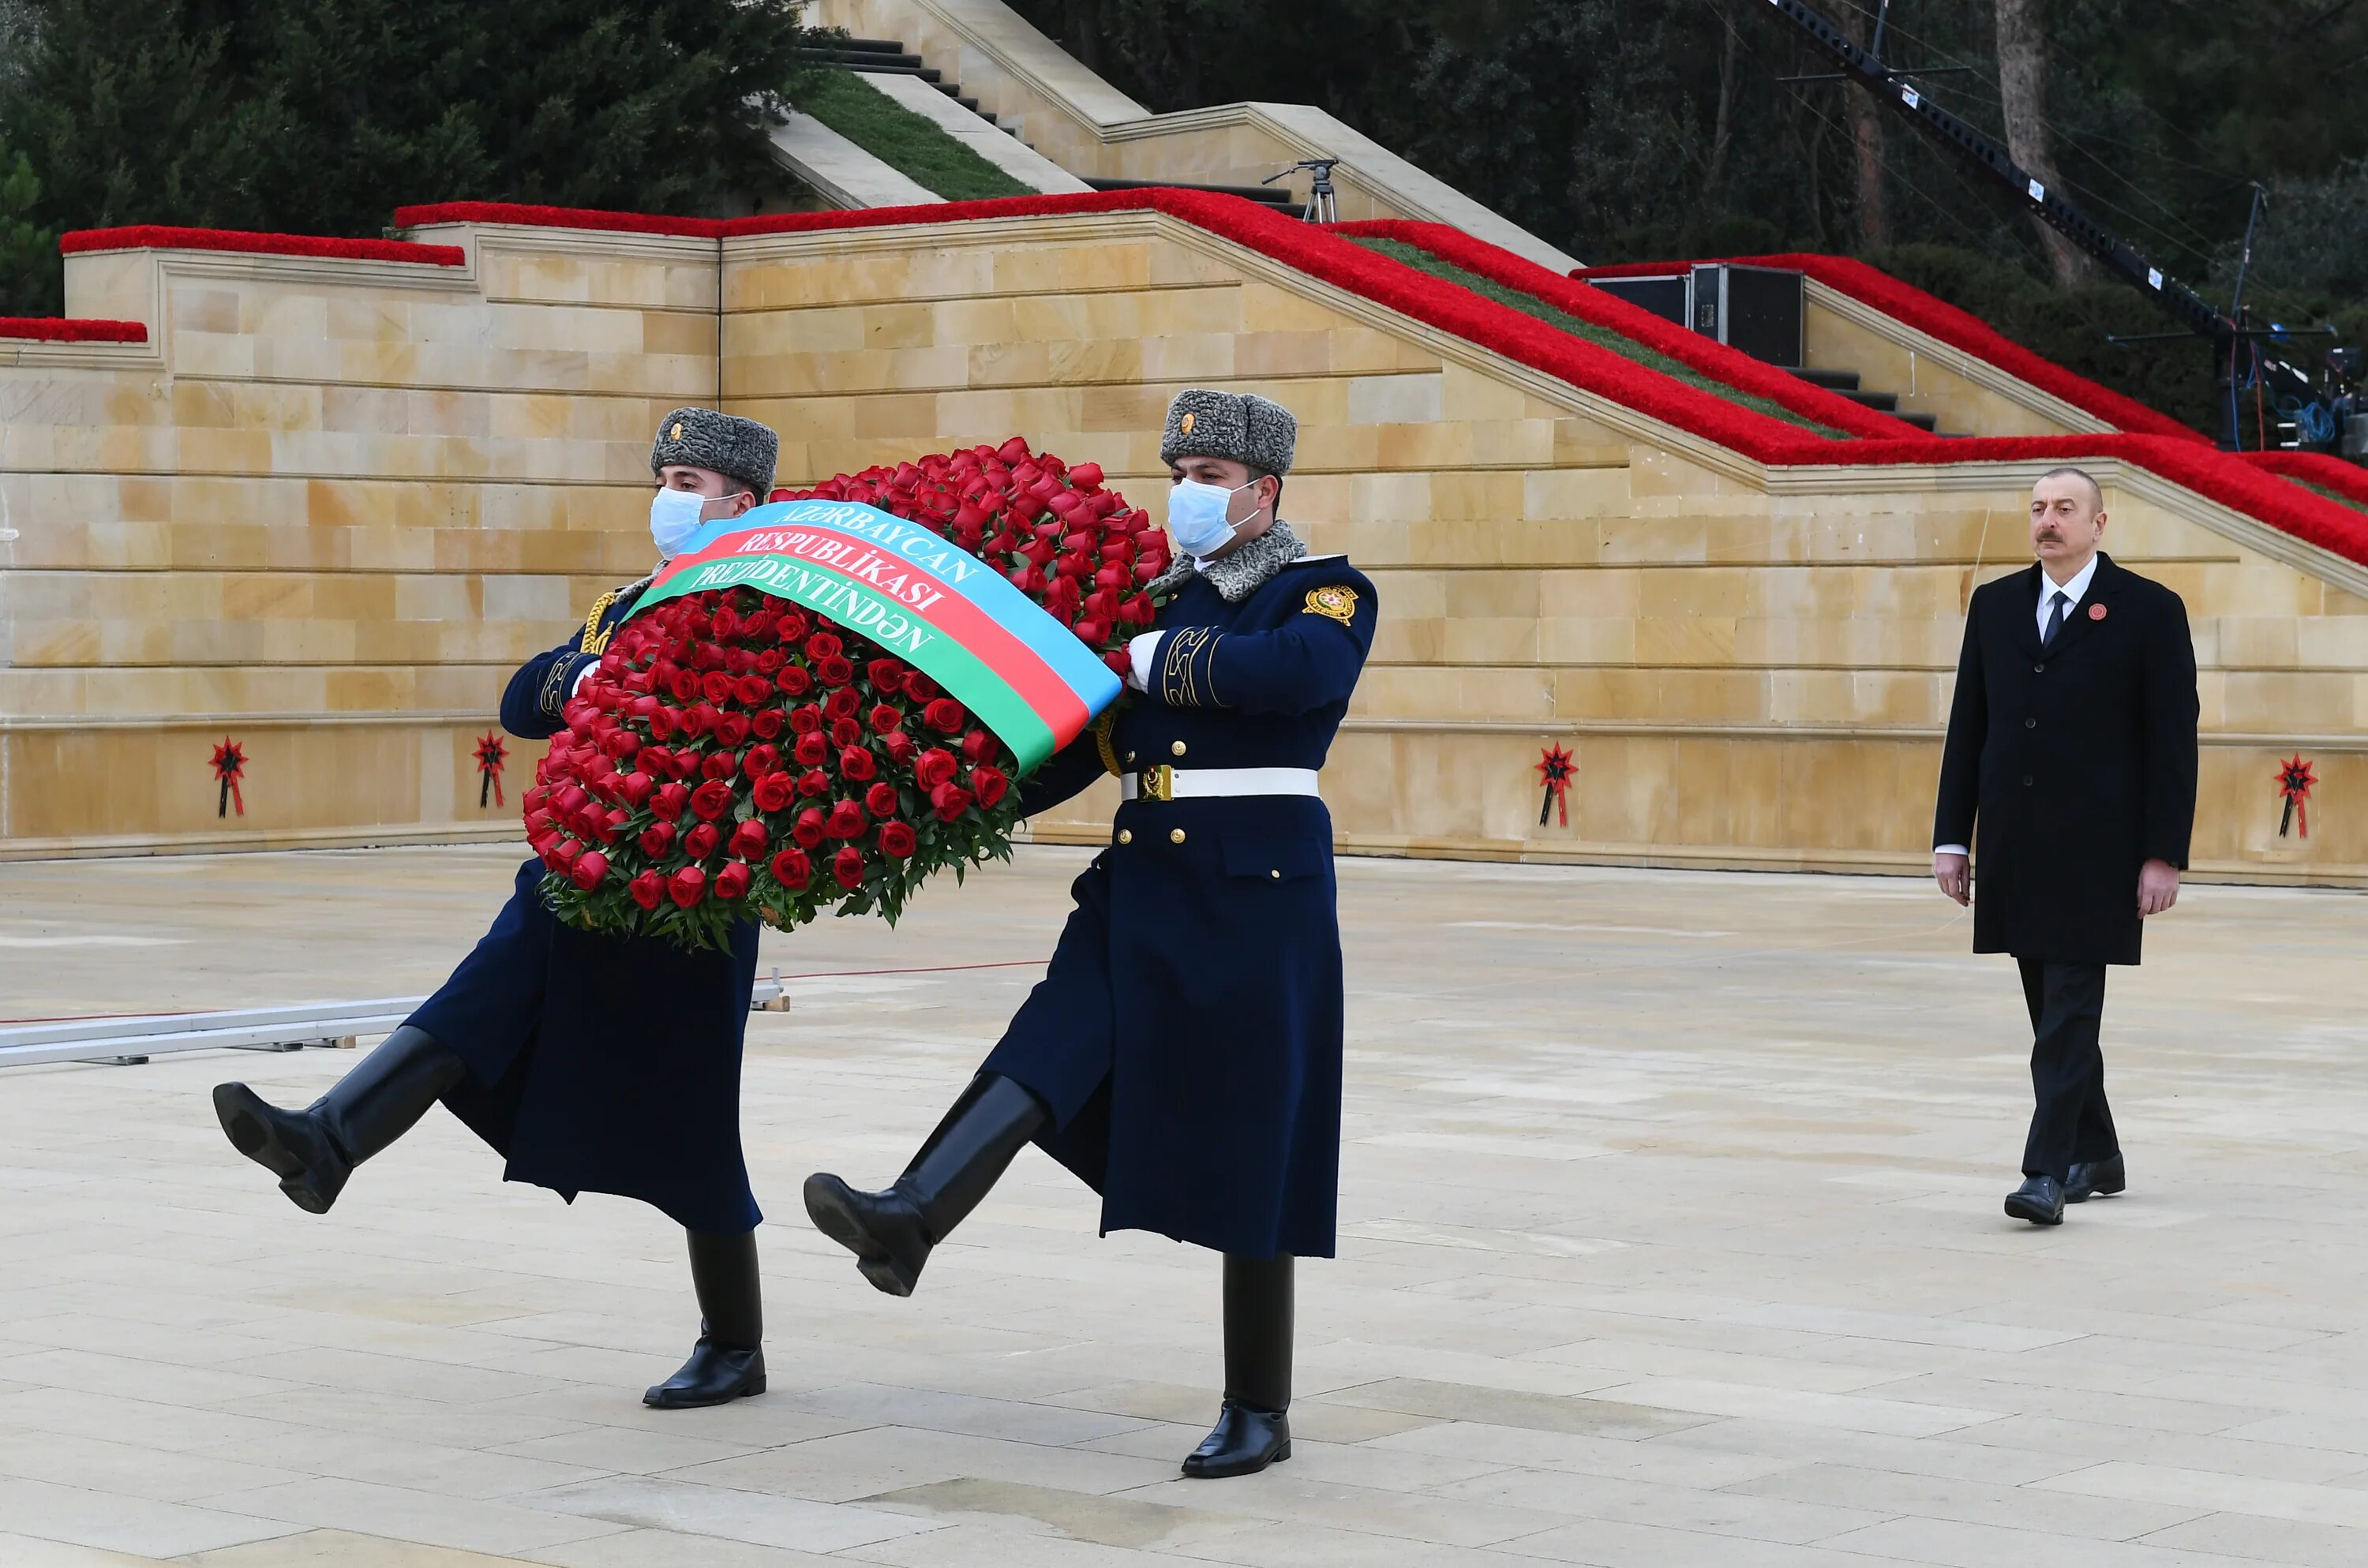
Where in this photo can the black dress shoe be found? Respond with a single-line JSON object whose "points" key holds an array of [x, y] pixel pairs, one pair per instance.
{"points": [[715, 1374], [2095, 1179], [2039, 1199], [1244, 1442]]}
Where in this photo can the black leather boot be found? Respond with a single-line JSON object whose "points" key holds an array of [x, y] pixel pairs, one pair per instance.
{"points": [[891, 1232], [313, 1151], [728, 1362], [2096, 1178], [1253, 1430]]}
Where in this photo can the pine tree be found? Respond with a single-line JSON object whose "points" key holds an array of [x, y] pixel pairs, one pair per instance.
{"points": [[323, 115]]}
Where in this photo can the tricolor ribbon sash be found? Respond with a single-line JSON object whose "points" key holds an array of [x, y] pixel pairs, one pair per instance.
{"points": [[939, 608]]}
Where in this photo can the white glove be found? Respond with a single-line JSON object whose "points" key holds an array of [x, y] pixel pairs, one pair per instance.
{"points": [[1143, 653]]}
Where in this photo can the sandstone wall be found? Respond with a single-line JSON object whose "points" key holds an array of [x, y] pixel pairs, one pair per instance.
{"points": [[327, 514]]}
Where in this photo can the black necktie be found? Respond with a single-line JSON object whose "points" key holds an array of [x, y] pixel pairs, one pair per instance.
{"points": [[2054, 619]]}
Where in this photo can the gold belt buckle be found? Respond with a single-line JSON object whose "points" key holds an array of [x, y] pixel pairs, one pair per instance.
{"points": [[1157, 784]]}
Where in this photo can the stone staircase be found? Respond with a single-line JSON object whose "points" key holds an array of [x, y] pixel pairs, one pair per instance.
{"points": [[1846, 383], [888, 57]]}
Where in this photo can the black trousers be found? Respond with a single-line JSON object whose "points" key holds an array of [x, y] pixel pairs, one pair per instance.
{"points": [[2069, 1121]]}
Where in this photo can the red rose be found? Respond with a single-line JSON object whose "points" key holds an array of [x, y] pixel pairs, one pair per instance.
{"points": [[807, 720], [688, 886], [920, 688], [840, 705], [897, 839], [978, 747], [885, 675], [733, 880], [845, 732], [793, 869], [636, 788], [884, 718], [814, 782], [1085, 476], [794, 680], [657, 838], [1092, 633], [718, 765], [847, 866], [732, 729], [716, 687], [944, 715], [711, 800], [648, 889], [760, 761], [588, 869], [561, 854], [700, 841], [823, 645], [697, 719], [989, 784], [610, 825], [775, 790], [669, 802], [881, 799], [855, 763], [933, 768], [792, 628], [950, 801], [656, 761], [836, 670], [749, 840], [684, 684], [811, 827], [845, 820], [570, 800], [752, 690], [813, 748], [900, 746]]}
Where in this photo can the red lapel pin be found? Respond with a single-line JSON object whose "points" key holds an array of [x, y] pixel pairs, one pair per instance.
{"points": [[2096, 612]]}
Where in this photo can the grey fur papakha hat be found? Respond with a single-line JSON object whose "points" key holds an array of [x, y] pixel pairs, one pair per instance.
{"points": [[1238, 427], [736, 448]]}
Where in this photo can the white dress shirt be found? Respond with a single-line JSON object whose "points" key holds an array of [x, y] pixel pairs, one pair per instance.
{"points": [[2074, 592]]}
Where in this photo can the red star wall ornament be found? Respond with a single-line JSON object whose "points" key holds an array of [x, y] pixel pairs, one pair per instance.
{"points": [[229, 765], [2295, 779], [490, 755], [1557, 767]]}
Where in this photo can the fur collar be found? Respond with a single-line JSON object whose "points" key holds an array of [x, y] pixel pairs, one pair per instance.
{"points": [[1242, 574]]}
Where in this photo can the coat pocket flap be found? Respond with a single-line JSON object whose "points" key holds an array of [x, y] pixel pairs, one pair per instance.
{"points": [[1276, 859]]}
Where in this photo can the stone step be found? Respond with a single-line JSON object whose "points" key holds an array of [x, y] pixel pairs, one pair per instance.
{"points": [[886, 57], [1832, 381]]}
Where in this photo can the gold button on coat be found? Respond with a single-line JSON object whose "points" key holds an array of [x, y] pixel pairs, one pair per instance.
{"points": [[1126, 836], [1130, 760], [1276, 874], [1176, 746], [1174, 836]]}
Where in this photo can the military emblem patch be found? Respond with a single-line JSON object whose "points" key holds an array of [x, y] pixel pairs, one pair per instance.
{"points": [[1337, 602], [675, 434], [1185, 424]]}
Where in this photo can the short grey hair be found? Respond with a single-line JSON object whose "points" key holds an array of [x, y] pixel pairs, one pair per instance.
{"points": [[2095, 491]]}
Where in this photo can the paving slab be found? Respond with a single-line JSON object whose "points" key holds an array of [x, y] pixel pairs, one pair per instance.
{"points": [[1670, 1236]]}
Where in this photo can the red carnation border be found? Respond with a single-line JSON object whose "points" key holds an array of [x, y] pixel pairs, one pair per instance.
{"points": [[2346, 479], [2173, 452], [1937, 318], [72, 329], [1713, 358], [150, 236]]}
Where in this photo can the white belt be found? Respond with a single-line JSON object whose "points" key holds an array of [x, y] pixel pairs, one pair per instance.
{"points": [[1164, 783]]}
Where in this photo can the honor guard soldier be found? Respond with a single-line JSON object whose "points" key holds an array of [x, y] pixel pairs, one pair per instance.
{"points": [[592, 1063], [1182, 1053]]}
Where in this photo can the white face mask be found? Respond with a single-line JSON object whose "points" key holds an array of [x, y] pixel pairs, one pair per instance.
{"points": [[1196, 516], [675, 516]]}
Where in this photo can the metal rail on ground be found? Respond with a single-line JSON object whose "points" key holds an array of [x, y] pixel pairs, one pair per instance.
{"points": [[129, 1040]]}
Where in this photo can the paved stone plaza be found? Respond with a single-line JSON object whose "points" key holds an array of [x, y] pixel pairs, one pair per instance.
{"points": [[1670, 1236]]}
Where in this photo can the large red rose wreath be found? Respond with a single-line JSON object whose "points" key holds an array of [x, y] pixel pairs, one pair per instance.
{"points": [[735, 757]]}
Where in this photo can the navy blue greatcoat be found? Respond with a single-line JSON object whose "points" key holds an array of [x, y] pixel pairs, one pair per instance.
{"points": [[598, 1064], [1186, 1036]]}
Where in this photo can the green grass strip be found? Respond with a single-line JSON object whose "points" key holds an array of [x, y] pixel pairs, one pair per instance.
{"points": [[914, 145], [1530, 305], [2337, 497]]}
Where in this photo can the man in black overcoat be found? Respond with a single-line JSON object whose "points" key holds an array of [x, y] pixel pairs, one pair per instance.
{"points": [[2070, 769], [1182, 1054], [592, 1063]]}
